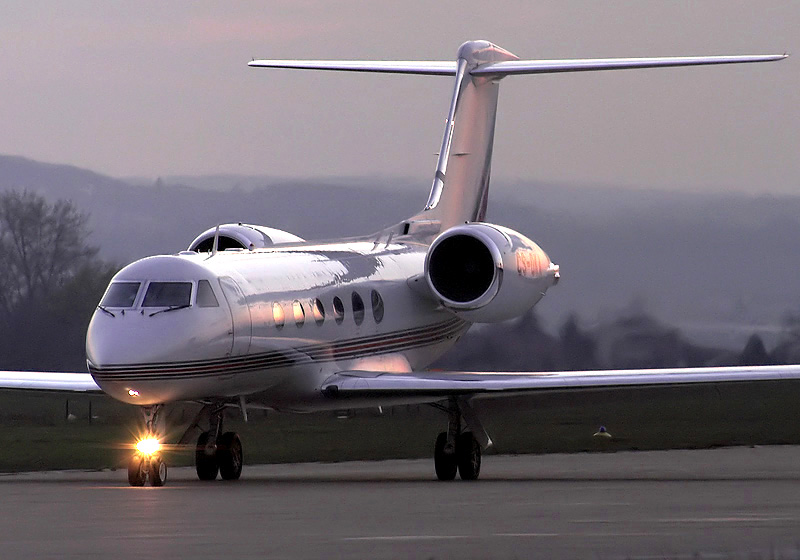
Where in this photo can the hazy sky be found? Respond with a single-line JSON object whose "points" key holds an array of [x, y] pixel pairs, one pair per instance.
{"points": [[158, 88]]}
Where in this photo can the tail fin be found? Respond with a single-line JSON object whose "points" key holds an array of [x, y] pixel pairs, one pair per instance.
{"points": [[465, 157], [461, 185]]}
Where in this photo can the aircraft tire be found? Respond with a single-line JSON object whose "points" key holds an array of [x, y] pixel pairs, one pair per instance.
{"points": [[158, 471], [229, 456], [468, 453], [206, 465], [137, 474], [445, 463]]}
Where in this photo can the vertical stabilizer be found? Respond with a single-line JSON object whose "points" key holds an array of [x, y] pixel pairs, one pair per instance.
{"points": [[461, 184]]}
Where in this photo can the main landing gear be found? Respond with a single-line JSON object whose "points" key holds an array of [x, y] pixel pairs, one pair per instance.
{"points": [[218, 451], [146, 462], [458, 450]]}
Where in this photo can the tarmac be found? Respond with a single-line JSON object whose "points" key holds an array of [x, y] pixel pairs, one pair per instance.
{"points": [[720, 503]]}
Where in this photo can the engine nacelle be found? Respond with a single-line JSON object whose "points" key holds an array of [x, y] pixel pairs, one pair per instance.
{"points": [[241, 236], [486, 273]]}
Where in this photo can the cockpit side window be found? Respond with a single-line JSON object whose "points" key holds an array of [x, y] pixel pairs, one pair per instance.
{"points": [[168, 294], [121, 294], [205, 295]]}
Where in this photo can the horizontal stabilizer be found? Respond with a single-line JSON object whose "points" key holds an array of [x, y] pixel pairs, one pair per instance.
{"points": [[432, 67], [509, 67]]}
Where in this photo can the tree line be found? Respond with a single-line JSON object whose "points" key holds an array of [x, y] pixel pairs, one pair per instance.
{"points": [[51, 279]]}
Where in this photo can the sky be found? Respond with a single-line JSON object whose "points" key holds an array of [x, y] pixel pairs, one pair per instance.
{"points": [[154, 88]]}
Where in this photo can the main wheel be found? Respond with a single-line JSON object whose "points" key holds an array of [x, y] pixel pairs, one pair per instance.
{"points": [[445, 463], [206, 464], [229, 456], [137, 474], [158, 471], [468, 453]]}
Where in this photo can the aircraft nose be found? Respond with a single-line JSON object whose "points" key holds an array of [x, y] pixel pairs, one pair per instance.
{"points": [[138, 356], [146, 337]]}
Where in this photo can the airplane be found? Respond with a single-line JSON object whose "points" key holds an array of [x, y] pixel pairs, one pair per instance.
{"points": [[254, 317]]}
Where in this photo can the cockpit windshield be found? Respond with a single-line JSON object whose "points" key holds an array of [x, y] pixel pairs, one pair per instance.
{"points": [[121, 294], [168, 294]]}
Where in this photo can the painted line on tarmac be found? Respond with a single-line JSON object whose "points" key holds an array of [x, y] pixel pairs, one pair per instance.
{"points": [[446, 537], [526, 535], [409, 538], [732, 519]]}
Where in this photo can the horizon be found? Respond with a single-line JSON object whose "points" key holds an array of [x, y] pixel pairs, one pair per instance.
{"points": [[500, 192]]}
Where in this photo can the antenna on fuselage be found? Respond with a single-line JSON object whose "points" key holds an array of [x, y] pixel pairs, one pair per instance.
{"points": [[216, 242]]}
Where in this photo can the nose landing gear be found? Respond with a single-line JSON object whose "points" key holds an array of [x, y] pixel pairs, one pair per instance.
{"points": [[147, 463], [143, 467]]}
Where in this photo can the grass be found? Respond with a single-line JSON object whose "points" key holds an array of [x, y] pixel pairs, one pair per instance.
{"points": [[35, 434]]}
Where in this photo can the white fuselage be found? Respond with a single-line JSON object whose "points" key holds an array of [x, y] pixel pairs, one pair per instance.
{"points": [[278, 330], [286, 318]]}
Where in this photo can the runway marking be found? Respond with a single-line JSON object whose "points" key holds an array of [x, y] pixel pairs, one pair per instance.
{"points": [[526, 535], [389, 538], [568, 504], [708, 555], [735, 519], [145, 536], [410, 538], [448, 537]]}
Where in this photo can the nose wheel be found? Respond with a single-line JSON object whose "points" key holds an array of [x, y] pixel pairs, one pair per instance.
{"points": [[147, 462], [142, 468]]}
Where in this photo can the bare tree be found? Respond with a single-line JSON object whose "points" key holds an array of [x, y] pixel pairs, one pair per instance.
{"points": [[42, 246]]}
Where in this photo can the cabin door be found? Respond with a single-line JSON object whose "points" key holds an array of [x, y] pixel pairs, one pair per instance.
{"points": [[240, 316]]}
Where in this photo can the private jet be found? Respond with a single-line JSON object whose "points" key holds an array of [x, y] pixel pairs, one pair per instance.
{"points": [[253, 317]]}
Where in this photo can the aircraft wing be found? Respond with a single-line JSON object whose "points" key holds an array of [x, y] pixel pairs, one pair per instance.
{"points": [[48, 381], [435, 385]]}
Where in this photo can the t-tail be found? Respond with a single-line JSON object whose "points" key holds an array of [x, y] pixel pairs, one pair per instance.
{"points": [[460, 187]]}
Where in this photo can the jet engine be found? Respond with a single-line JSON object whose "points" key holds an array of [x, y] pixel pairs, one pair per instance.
{"points": [[241, 236], [486, 273]]}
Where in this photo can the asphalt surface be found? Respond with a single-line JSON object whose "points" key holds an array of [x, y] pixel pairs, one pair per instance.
{"points": [[723, 503]]}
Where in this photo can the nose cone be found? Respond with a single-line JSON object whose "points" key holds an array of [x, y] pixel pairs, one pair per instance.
{"points": [[137, 338], [142, 343]]}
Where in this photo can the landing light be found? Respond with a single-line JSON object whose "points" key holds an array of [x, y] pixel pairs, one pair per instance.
{"points": [[148, 446], [133, 392]]}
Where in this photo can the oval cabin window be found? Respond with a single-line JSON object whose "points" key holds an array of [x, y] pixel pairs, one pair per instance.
{"points": [[278, 315], [358, 308], [338, 310], [377, 306], [319, 312], [299, 313]]}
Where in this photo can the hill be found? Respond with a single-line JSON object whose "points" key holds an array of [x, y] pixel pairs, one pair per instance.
{"points": [[721, 266]]}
